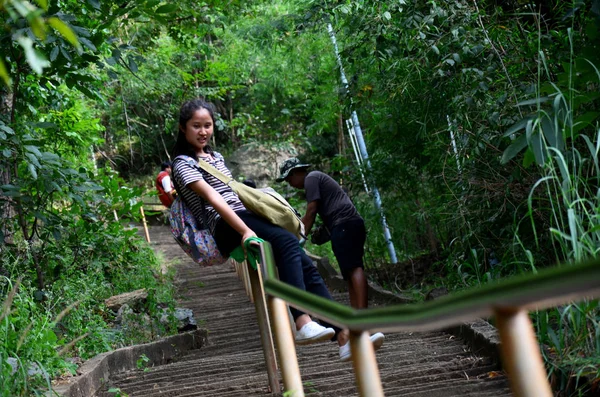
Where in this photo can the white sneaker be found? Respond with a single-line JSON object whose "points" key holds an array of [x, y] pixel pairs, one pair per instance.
{"points": [[313, 332], [376, 339]]}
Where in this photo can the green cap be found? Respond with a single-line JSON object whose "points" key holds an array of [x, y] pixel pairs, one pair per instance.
{"points": [[287, 166]]}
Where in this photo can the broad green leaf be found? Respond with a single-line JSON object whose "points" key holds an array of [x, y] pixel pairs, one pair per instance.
{"points": [[35, 59], [534, 101], [552, 134], [435, 49], [152, 3], [387, 15], [94, 3], [165, 9], [33, 160], [34, 150], [88, 44], [32, 170], [519, 144], [10, 190], [584, 120], [528, 158], [132, 65], [65, 54], [44, 124], [6, 129], [518, 126], [64, 30], [54, 54], [539, 148]]}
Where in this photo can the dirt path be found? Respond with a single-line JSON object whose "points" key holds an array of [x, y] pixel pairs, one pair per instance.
{"points": [[411, 364]]}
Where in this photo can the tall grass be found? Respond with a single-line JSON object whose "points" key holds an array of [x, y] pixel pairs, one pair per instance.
{"points": [[566, 202]]}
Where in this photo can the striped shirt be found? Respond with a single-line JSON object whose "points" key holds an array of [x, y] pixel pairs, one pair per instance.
{"points": [[187, 171]]}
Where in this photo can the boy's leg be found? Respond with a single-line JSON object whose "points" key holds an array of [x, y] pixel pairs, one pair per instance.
{"points": [[358, 288], [347, 243]]}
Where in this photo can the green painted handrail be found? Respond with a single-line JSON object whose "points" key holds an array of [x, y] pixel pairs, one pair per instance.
{"points": [[547, 288]]}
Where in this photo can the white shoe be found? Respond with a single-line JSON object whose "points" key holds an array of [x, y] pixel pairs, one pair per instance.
{"points": [[313, 332], [376, 339]]}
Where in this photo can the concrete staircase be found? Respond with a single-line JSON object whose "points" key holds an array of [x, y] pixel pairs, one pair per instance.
{"points": [[425, 364]]}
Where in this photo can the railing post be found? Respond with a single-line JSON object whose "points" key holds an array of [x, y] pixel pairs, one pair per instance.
{"points": [[260, 305], [144, 222], [290, 371], [246, 280], [521, 354], [365, 366]]}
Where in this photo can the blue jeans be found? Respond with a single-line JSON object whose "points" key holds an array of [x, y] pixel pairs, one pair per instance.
{"points": [[294, 266]]}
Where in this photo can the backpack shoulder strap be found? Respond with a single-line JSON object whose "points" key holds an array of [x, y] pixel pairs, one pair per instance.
{"points": [[193, 163]]}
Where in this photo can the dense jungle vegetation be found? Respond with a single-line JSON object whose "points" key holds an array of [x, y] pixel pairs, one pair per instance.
{"points": [[480, 118]]}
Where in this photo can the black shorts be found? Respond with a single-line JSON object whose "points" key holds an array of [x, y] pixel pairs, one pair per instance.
{"points": [[348, 245]]}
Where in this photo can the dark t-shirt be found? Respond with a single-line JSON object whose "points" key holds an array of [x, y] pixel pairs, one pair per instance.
{"points": [[334, 205]]}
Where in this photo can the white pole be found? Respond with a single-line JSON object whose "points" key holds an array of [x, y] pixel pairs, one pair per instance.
{"points": [[356, 154], [454, 144], [363, 151]]}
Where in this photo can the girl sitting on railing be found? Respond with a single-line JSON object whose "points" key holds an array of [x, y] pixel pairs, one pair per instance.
{"points": [[231, 224]]}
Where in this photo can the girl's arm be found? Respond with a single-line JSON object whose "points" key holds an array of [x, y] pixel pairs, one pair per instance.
{"points": [[209, 194]]}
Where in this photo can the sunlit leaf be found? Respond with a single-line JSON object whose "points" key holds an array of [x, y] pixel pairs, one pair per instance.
{"points": [[35, 59], [64, 30], [43, 4], [4, 74], [24, 8]]}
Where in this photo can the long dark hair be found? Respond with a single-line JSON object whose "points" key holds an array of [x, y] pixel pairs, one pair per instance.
{"points": [[182, 146]]}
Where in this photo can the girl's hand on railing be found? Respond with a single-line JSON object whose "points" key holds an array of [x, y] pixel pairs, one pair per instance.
{"points": [[249, 233]]}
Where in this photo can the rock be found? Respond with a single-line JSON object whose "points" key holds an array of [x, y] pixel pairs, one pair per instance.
{"points": [[135, 326], [185, 317], [34, 369], [259, 162], [133, 299], [436, 293], [123, 311], [14, 364]]}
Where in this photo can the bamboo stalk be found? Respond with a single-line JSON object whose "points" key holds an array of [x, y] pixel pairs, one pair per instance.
{"points": [[286, 349], [365, 366], [521, 354]]}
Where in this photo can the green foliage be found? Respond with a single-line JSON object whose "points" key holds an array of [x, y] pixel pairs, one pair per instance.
{"points": [[480, 119]]}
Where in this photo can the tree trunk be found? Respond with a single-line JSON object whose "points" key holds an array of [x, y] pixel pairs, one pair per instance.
{"points": [[341, 141], [7, 212]]}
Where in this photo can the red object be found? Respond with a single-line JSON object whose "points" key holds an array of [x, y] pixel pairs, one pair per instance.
{"points": [[162, 195]]}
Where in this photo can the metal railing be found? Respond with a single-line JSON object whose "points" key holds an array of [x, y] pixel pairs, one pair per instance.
{"points": [[508, 301]]}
